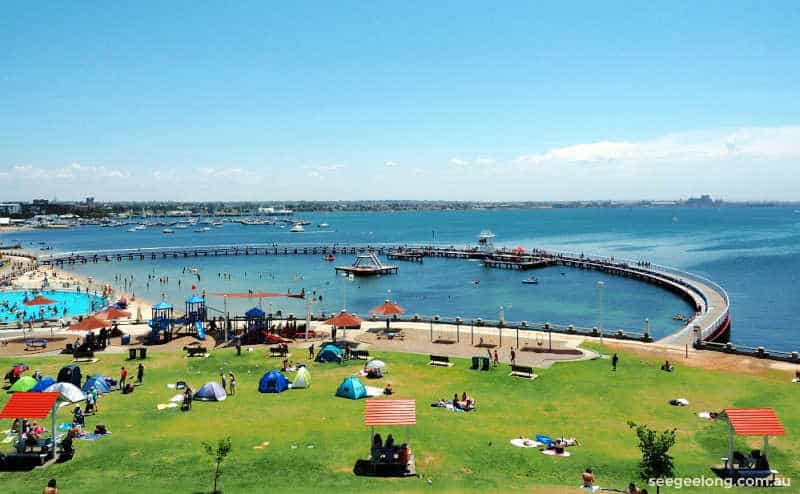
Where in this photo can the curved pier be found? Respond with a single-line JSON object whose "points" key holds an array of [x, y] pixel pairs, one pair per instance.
{"points": [[710, 322]]}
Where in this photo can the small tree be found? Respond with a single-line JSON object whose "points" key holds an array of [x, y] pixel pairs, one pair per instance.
{"points": [[218, 452], [656, 462]]}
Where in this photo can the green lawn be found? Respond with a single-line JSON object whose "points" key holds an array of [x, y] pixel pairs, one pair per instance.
{"points": [[160, 451]]}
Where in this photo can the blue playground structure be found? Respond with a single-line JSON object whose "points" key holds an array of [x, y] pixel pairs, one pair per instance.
{"points": [[163, 320], [161, 323]]}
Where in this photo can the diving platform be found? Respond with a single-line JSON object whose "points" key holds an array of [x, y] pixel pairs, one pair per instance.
{"points": [[367, 264]]}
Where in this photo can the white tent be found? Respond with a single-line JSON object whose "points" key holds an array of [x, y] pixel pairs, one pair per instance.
{"points": [[69, 393], [376, 364], [302, 379]]}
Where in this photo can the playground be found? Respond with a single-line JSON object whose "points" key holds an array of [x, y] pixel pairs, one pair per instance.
{"points": [[307, 439]]}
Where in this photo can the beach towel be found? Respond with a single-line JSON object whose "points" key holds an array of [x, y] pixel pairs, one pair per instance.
{"points": [[525, 443], [94, 437], [372, 391], [679, 402], [796, 380], [163, 406], [8, 439], [178, 398], [552, 452], [704, 415]]}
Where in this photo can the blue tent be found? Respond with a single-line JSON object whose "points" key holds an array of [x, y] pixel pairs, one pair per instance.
{"points": [[351, 388], [273, 382], [96, 381], [254, 313], [211, 391], [43, 384], [330, 353]]}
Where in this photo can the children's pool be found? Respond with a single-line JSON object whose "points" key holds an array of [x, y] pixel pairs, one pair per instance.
{"points": [[66, 304]]}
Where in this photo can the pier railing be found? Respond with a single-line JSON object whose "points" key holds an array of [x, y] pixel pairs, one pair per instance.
{"points": [[759, 352]]}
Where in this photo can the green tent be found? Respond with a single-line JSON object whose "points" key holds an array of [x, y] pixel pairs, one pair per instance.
{"points": [[24, 383]]}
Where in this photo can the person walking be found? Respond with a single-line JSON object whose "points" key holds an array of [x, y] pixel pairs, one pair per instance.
{"points": [[140, 374], [513, 356], [232, 384], [123, 376], [614, 362], [496, 358], [311, 352], [238, 346]]}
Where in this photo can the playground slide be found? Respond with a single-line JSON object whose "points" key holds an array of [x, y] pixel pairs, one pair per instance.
{"points": [[201, 332]]}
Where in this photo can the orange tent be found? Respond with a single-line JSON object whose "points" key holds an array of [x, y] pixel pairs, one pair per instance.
{"points": [[39, 300], [90, 323], [111, 313], [388, 309]]}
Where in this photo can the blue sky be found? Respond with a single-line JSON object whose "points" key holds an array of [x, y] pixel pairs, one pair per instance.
{"points": [[428, 100]]}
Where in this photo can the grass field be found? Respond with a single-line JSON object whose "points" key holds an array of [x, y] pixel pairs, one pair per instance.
{"points": [[160, 451]]}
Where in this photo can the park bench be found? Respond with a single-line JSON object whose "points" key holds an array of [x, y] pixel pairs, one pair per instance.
{"points": [[195, 350], [359, 354], [35, 344], [277, 351], [522, 371], [440, 360], [81, 354]]}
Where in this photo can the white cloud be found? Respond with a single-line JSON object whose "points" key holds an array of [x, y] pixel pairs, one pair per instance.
{"points": [[747, 143], [458, 162], [391, 164]]}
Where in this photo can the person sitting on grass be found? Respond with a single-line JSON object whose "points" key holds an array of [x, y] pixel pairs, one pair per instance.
{"points": [[187, 399], [377, 447], [388, 389], [588, 478], [632, 489], [77, 417], [456, 402], [666, 366]]}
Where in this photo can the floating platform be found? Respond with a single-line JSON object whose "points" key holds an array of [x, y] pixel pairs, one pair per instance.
{"points": [[367, 264], [367, 271]]}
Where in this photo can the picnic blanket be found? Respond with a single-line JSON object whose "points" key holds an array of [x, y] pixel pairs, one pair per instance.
{"points": [[373, 391], [93, 436], [525, 443], [178, 398], [163, 406], [552, 452]]}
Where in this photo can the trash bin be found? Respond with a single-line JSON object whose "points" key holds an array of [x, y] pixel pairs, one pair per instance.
{"points": [[143, 353], [131, 353], [125, 340], [476, 363]]}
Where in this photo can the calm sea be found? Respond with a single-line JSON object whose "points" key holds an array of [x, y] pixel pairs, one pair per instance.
{"points": [[753, 253]]}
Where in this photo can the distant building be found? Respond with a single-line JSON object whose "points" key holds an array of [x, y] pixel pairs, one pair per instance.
{"points": [[704, 201], [90, 203], [10, 208]]}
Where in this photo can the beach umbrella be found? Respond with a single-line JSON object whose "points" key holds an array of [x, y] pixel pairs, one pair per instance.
{"points": [[112, 313], [387, 309], [519, 250], [90, 323], [39, 300], [344, 320]]}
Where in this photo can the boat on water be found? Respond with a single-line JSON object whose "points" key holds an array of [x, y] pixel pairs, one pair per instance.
{"points": [[203, 230], [218, 224], [132, 229], [297, 228], [531, 280], [330, 258], [182, 226], [167, 230], [323, 225], [139, 227], [679, 317]]}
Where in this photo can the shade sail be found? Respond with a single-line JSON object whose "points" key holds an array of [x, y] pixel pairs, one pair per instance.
{"points": [[387, 308], [112, 313], [90, 323], [344, 320], [29, 406], [40, 300], [754, 421], [390, 412]]}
